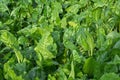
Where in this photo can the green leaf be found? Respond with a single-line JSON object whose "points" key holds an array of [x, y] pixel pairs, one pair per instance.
{"points": [[69, 45], [32, 73], [110, 67], [41, 47], [90, 42], [15, 12], [89, 66], [81, 39], [83, 3], [51, 77], [113, 35], [72, 73], [10, 40], [117, 45], [99, 4], [64, 22], [57, 8], [61, 75], [97, 13], [20, 67], [73, 9], [85, 39], [22, 40], [116, 60], [18, 55], [100, 38], [10, 74], [59, 39], [3, 7], [73, 24], [110, 76], [76, 57]]}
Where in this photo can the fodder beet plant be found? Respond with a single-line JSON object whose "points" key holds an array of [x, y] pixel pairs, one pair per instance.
{"points": [[59, 39]]}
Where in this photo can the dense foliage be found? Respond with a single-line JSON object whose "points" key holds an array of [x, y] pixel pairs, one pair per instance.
{"points": [[59, 39]]}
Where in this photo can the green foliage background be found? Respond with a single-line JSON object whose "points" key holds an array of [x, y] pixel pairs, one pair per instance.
{"points": [[59, 39]]}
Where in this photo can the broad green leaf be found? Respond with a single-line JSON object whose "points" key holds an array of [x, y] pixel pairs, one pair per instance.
{"points": [[115, 51], [69, 35], [64, 22], [3, 7], [15, 12], [100, 38], [20, 68], [73, 24], [97, 13], [68, 39], [41, 47], [34, 32], [10, 72], [10, 40], [117, 45], [22, 40], [51, 77], [85, 39], [61, 75], [59, 39], [89, 66], [76, 57], [83, 3], [81, 39], [32, 73], [116, 8], [110, 76], [116, 60], [73, 9], [90, 42], [113, 35], [57, 8], [110, 67], [99, 4], [18, 55], [69, 45]]}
